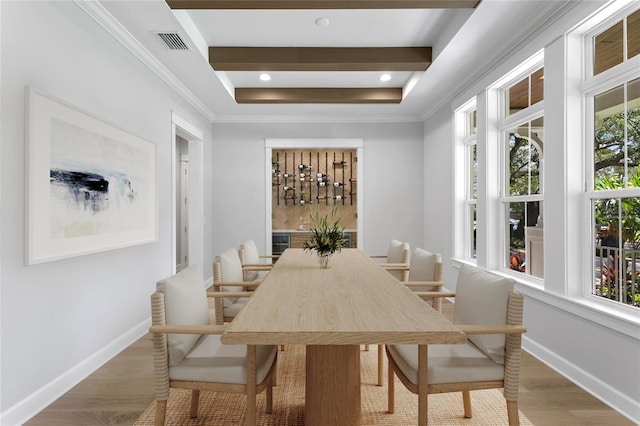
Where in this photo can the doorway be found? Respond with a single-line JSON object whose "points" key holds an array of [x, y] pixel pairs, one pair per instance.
{"points": [[182, 203], [336, 178], [187, 246]]}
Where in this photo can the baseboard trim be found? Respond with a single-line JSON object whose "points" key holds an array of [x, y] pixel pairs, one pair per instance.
{"points": [[37, 401], [609, 395]]}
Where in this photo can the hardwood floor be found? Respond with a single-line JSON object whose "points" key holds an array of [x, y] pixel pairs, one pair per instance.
{"points": [[120, 391]]}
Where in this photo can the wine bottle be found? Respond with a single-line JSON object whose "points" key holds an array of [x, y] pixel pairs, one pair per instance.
{"points": [[304, 167], [321, 183], [288, 175], [337, 197], [288, 188], [336, 184], [321, 197]]}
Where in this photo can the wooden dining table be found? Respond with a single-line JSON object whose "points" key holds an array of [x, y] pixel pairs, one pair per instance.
{"points": [[332, 312]]}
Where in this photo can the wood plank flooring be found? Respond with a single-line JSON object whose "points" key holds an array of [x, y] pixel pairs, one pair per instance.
{"points": [[119, 392]]}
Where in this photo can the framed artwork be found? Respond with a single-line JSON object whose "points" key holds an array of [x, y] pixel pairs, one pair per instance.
{"points": [[91, 186]]}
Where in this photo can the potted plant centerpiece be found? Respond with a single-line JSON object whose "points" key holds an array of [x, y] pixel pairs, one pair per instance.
{"points": [[325, 238]]}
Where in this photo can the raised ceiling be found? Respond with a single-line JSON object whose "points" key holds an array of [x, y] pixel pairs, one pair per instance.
{"points": [[318, 51], [462, 40]]}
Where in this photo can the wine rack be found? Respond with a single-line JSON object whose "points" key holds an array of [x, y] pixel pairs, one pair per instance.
{"points": [[306, 181]]}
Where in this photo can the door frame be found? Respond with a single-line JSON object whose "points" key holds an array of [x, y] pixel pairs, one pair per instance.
{"points": [[183, 128], [314, 143]]}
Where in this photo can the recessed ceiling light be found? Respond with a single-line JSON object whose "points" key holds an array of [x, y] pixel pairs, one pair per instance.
{"points": [[322, 22], [385, 77], [265, 77]]}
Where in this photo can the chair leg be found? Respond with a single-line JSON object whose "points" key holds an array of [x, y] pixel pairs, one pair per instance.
{"points": [[380, 365], [269, 408], [423, 386], [161, 410], [391, 406], [195, 398], [512, 413], [251, 386], [466, 401]]}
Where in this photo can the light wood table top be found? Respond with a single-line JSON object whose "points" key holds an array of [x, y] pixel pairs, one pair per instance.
{"points": [[333, 311], [352, 302]]}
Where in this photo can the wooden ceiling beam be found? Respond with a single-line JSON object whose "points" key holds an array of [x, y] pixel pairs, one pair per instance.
{"points": [[320, 58], [307, 95], [322, 4]]}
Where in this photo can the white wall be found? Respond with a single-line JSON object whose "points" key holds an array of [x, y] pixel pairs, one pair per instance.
{"points": [[593, 348], [392, 167], [62, 319]]}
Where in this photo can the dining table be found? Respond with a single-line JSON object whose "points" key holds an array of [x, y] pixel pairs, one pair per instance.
{"points": [[332, 312]]}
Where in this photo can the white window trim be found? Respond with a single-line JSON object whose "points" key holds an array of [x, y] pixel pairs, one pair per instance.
{"points": [[590, 87], [464, 139], [504, 124]]}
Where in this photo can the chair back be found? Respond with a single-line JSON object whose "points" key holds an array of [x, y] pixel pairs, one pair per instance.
{"points": [[425, 266], [249, 255], [482, 297], [185, 303], [399, 252]]}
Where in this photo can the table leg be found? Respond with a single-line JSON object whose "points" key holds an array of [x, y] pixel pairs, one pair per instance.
{"points": [[332, 395]]}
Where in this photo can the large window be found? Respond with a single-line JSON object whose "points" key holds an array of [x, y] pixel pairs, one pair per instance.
{"points": [[615, 194], [614, 181], [522, 192], [471, 199], [467, 132]]}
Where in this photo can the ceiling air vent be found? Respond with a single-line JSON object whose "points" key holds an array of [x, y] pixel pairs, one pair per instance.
{"points": [[174, 41]]}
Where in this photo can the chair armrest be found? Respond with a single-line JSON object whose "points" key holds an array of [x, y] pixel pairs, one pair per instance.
{"points": [[395, 266], [432, 294], [378, 256], [410, 284], [247, 284], [223, 294], [491, 329], [257, 266], [189, 329]]}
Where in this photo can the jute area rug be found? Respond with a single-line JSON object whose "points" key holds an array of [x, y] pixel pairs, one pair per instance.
{"points": [[225, 409]]}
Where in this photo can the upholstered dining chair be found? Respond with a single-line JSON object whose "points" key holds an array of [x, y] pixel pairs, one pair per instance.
{"points": [[489, 311], [254, 265], [228, 277], [397, 259], [188, 354], [425, 278]]}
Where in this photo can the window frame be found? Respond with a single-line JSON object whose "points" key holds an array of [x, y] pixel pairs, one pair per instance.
{"points": [[465, 140], [592, 86], [505, 123]]}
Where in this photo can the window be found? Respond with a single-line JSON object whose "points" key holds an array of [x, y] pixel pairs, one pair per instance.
{"points": [[471, 198], [617, 43], [466, 135], [614, 163], [522, 192]]}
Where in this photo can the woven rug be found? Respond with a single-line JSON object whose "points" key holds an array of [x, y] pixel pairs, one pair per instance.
{"points": [[225, 409]]}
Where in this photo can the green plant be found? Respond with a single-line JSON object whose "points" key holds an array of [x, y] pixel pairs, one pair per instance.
{"points": [[327, 236]]}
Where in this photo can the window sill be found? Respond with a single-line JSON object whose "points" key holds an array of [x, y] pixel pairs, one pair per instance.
{"points": [[617, 317]]}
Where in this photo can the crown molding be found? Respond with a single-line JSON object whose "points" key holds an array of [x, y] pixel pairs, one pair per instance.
{"points": [[96, 11]]}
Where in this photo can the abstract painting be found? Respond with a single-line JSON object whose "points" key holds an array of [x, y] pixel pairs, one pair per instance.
{"points": [[91, 185]]}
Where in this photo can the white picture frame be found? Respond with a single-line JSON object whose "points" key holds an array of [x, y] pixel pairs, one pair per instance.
{"points": [[90, 186]]}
